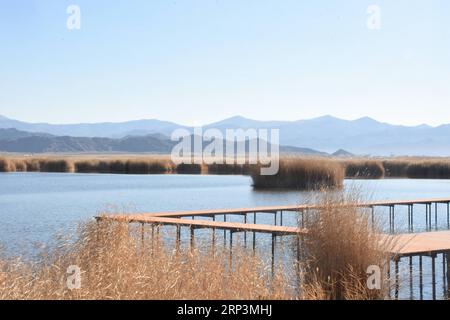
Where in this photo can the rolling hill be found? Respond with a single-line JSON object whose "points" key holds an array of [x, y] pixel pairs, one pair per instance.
{"points": [[13, 140], [364, 136]]}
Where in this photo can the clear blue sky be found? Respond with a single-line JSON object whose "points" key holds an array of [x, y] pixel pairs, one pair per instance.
{"points": [[200, 61]]}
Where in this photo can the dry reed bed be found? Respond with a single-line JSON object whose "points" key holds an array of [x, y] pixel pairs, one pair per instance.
{"points": [[295, 172], [413, 168], [302, 174], [115, 264], [136, 165], [340, 246], [364, 169]]}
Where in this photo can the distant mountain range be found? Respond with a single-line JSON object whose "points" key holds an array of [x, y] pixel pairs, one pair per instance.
{"points": [[13, 140], [327, 134], [101, 130]]}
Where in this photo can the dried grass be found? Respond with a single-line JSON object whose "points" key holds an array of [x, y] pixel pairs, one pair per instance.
{"points": [[114, 265], [340, 246], [302, 174]]}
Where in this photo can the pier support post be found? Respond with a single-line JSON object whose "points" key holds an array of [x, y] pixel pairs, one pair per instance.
{"points": [[178, 244], [393, 218], [254, 234], [224, 232], [273, 254], [303, 218], [298, 264], [192, 238], [444, 273], [281, 217], [447, 256], [373, 217], [214, 236], [421, 277], [411, 277], [142, 237], [397, 280], [433, 275], [429, 216], [245, 232], [388, 271], [409, 218], [448, 215], [231, 249], [412, 217], [436, 216], [97, 220], [153, 239], [390, 219]]}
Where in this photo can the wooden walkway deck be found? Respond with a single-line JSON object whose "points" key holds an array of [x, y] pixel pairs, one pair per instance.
{"points": [[294, 208], [425, 243], [409, 245], [428, 245], [204, 224]]}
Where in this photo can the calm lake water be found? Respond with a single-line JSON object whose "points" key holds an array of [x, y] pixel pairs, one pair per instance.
{"points": [[36, 206]]}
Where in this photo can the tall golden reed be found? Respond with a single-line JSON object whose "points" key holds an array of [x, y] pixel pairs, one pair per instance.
{"points": [[115, 265], [302, 174], [340, 245]]}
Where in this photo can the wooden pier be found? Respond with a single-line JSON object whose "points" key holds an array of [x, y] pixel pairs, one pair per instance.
{"points": [[391, 204], [428, 245], [409, 245]]}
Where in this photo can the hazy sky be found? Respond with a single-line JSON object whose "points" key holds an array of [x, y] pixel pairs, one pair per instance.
{"points": [[194, 62]]}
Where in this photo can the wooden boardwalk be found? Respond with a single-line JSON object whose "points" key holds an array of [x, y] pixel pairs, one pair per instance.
{"points": [[407, 244], [204, 224], [294, 208], [427, 244], [422, 245]]}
